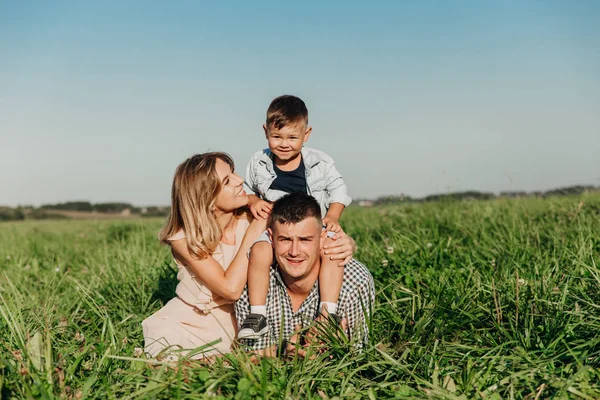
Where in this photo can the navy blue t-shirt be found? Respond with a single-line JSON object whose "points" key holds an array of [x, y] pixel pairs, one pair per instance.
{"points": [[290, 181]]}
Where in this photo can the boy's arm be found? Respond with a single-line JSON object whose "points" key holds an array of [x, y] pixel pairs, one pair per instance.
{"points": [[260, 209], [335, 187], [335, 211], [332, 219], [337, 196], [250, 179]]}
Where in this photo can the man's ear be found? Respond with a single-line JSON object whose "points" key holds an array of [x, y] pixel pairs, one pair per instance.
{"points": [[266, 131], [270, 232], [307, 133]]}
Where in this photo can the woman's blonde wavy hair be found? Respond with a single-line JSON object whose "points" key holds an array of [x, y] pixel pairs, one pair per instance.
{"points": [[194, 193]]}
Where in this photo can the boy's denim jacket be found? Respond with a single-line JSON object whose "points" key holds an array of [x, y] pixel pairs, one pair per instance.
{"points": [[323, 180]]}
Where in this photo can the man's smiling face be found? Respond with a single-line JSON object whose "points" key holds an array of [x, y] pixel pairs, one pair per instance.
{"points": [[296, 247]]}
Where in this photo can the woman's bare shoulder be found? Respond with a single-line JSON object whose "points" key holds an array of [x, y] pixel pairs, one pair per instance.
{"points": [[244, 214], [177, 236]]}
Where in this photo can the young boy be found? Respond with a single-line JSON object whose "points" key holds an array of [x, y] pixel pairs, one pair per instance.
{"points": [[288, 167]]}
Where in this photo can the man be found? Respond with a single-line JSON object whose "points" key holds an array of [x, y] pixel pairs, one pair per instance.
{"points": [[296, 233]]}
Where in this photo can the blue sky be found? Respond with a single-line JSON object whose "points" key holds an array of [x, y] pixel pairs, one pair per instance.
{"points": [[100, 101]]}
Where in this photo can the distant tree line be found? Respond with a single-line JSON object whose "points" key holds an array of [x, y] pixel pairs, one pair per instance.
{"points": [[55, 211], [21, 213], [89, 207], [11, 214], [474, 195], [62, 210]]}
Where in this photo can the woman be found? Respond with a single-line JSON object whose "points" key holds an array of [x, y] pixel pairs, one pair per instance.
{"points": [[209, 235], [209, 239]]}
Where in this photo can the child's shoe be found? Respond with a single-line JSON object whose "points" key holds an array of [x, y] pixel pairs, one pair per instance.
{"points": [[336, 319], [253, 327]]}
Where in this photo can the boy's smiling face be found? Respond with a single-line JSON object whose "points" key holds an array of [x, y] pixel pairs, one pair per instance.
{"points": [[286, 142]]}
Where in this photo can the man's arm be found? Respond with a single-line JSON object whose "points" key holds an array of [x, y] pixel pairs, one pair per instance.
{"points": [[242, 307], [357, 300], [269, 351]]}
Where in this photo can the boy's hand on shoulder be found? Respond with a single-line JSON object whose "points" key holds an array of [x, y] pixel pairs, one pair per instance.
{"points": [[260, 209], [332, 224]]}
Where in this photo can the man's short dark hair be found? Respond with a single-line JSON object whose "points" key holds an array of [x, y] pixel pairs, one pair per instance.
{"points": [[286, 110], [293, 208]]}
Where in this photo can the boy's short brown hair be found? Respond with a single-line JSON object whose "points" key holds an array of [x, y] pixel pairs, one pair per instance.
{"points": [[286, 110]]}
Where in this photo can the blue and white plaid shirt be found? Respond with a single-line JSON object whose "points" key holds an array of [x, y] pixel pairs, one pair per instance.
{"points": [[323, 180], [355, 304]]}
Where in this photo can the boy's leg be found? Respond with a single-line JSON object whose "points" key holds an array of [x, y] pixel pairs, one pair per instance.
{"points": [[331, 277], [261, 258], [259, 265]]}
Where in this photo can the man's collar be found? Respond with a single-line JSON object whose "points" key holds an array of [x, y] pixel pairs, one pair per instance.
{"points": [[281, 282]]}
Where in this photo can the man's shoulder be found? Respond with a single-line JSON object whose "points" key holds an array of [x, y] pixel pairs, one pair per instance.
{"points": [[356, 275], [274, 275]]}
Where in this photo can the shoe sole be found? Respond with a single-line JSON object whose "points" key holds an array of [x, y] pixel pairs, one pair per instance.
{"points": [[250, 334]]}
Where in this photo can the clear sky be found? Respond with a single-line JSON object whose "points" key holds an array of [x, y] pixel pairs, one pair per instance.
{"points": [[101, 100]]}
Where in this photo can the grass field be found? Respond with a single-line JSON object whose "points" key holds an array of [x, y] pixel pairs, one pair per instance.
{"points": [[491, 299]]}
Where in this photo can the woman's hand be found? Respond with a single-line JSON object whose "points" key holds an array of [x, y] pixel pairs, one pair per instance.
{"points": [[340, 247]]}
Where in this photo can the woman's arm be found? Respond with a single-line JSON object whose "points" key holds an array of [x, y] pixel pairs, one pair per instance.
{"points": [[227, 284]]}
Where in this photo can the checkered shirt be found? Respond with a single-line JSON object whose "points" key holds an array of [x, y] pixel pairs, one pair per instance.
{"points": [[355, 303]]}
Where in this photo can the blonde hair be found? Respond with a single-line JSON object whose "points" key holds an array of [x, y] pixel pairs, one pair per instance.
{"points": [[196, 186]]}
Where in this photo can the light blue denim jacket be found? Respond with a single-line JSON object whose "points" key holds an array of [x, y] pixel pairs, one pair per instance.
{"points": [[323, 180]]}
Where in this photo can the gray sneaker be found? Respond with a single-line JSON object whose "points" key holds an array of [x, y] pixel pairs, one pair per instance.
{"points": [[253, 327], [336, 319]]}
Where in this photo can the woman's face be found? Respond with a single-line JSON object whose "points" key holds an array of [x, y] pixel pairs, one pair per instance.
{"points": [[232, 194]]}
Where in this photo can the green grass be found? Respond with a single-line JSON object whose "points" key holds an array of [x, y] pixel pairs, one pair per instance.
{"points": [[490, 299]]}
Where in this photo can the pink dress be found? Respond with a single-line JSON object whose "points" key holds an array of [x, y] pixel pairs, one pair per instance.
{"points": [[196, 317]]}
